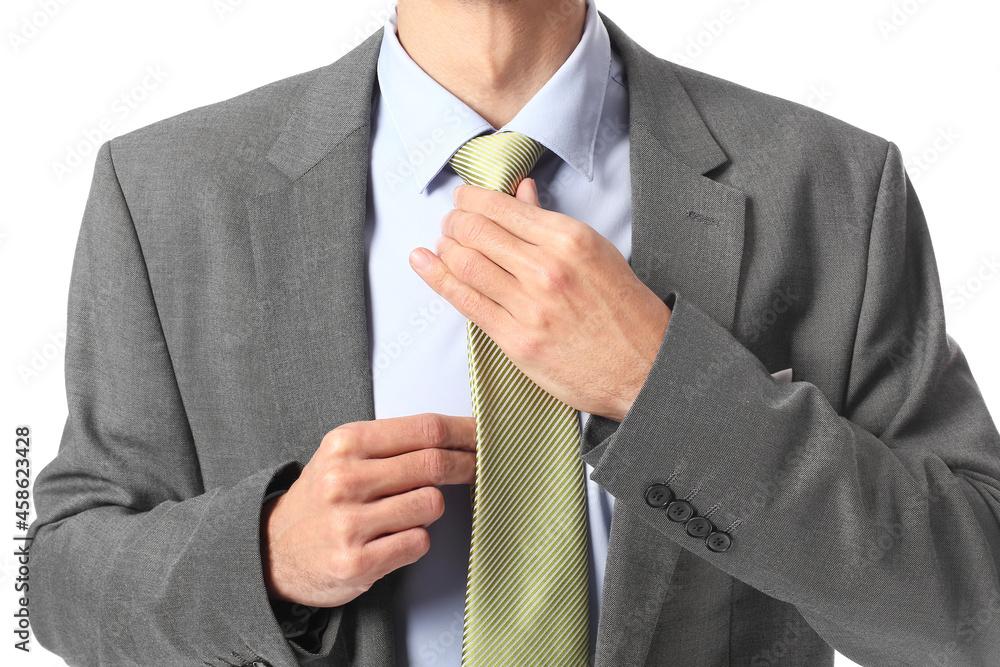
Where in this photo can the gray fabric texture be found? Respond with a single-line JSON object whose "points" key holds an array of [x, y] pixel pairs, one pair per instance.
{"points": [[217, 331]]}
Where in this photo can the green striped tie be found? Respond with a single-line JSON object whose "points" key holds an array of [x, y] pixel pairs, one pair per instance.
{"points": [[526, 602]]}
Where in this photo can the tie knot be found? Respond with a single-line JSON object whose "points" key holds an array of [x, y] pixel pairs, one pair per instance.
{"points": [[497, 161]]}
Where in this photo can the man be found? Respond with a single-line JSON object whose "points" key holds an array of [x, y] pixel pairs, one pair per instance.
{"points": [[254, 288]]}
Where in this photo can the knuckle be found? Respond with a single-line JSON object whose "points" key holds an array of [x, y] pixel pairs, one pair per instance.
{"points": [[432, 429], [331, 441], [555, 278], [436, 502], [537, 316], [449, 283], [576, 241], [420, 543], [497, 208], [527, 345], [474, 229], [468, 301], [341, 441], [467, 267], [348, 565], [437, 466], [430, 502], [443, 249], [525, 218]]}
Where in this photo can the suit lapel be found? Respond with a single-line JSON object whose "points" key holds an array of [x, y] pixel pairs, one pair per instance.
{"points": [[687, 236], [687, 229], [306, 225]]}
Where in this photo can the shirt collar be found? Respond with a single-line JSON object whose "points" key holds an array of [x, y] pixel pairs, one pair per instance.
{"points": [[433, 124]]}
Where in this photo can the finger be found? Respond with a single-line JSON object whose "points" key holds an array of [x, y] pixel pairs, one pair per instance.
{"points": [[480, 273], [395, 550], [427, 467], [527, 191], [419, 507], [473, 304], [524, 220], [476, 231], [371, 479], [382, 438]]}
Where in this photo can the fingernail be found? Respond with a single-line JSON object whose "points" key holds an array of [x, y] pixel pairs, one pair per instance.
{"points": [[454, 195], [420, 259]]}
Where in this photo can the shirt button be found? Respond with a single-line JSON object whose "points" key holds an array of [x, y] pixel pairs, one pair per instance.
{"points": [[658, 495], [680, 510], [718, 541], [698, 526]]}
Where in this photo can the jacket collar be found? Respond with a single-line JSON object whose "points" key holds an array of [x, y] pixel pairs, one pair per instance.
{"points": [[339, 102]]}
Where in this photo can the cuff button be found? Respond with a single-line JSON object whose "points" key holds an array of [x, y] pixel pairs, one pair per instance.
{"points": [[718, 541], [680, 510], [698, 526], [658, 495]]}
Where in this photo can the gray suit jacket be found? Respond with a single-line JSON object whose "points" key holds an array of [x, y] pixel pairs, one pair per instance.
{"points": [[217, 331]]}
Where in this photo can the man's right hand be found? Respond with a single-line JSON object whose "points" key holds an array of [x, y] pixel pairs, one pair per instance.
{"points": [[360, 507]]}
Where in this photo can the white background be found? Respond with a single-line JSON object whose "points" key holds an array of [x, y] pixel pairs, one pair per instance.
{"points": [[921, 73]]}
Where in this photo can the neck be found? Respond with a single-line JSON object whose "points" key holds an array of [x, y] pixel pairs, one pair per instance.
{"points": [[494, 55]]}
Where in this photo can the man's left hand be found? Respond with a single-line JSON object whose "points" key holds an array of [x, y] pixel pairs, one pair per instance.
{"points": [[556, 296]]}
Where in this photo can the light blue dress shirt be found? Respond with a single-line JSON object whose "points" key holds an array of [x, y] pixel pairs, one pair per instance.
{"points": [[418, 340]]}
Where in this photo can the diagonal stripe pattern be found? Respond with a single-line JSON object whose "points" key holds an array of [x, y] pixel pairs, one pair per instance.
{"points": [[526, 600]]}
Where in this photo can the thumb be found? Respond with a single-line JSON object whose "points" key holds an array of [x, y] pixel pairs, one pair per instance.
{"points": [[527, 191]]}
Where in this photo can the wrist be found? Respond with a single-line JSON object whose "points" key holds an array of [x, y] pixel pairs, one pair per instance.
{"points": [[267, 560], [642, 367]]}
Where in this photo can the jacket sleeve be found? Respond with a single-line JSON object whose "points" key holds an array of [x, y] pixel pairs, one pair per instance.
{"points": [[134, 562], [880, 524]]}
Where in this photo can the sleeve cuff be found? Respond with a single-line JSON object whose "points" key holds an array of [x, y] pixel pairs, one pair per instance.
{"points": [[674, 433]]}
